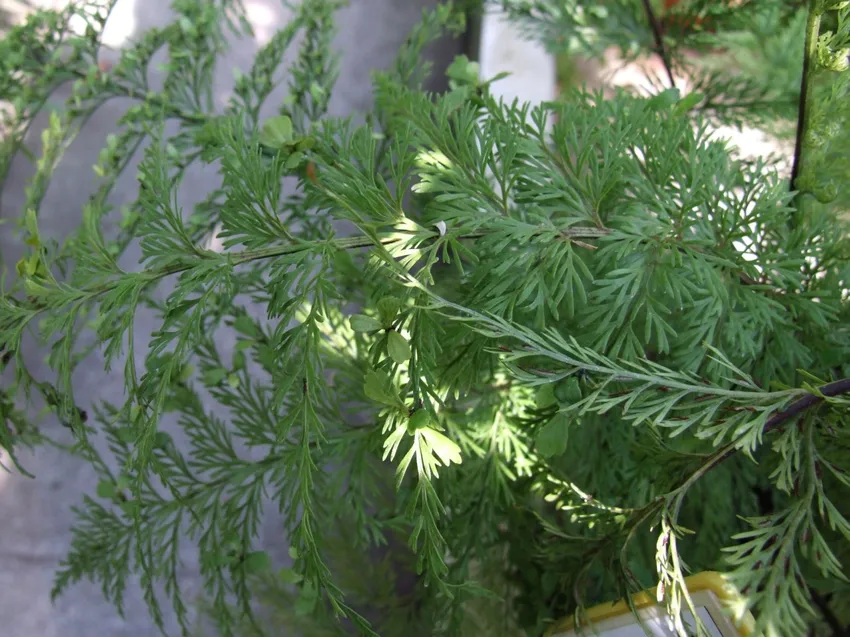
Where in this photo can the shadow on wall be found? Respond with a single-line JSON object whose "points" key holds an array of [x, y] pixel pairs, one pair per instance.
{"points": [[36, 513]]}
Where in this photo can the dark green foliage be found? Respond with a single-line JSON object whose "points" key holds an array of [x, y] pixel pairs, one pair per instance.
{"points": [[593, 352]]}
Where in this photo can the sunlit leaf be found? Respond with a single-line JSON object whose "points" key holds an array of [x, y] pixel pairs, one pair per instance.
{"points": [[398, 347], [276, 131], [362, 323]]}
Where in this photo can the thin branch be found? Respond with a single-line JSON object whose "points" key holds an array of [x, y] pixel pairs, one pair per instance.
{"points": [[659, 41], [803, 110], [774, 422], [831, 389], [809, 400], [247, 256], [796, 408]]}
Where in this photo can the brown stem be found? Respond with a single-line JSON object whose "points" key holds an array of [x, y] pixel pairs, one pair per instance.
{"points": [[659, 41], [774, 422], [809, 400], [797, 407], [812, 29]]}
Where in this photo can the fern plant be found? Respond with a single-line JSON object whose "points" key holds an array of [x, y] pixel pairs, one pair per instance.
{"points": [[514, 360]]}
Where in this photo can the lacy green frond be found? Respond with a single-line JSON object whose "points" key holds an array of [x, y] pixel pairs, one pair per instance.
{"points": [[494, 363]]}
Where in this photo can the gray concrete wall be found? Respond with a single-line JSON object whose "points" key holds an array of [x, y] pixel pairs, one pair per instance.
{"points": [[35, 515]]}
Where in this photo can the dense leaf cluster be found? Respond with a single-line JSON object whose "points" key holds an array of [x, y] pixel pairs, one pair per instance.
{"points": [[540, 356]]}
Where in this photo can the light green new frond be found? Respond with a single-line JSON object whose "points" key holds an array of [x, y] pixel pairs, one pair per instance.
{"points": [[408, 70], [162, 231], [252, 89], [315, 72], [37, 57], [246, 170], [352, 159], [199, 36]]}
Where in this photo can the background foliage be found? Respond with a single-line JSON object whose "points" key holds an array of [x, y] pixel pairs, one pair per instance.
{"points": [[541, 357]]}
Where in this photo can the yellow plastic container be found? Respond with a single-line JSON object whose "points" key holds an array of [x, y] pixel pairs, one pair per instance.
{"points": [[710, 591]]}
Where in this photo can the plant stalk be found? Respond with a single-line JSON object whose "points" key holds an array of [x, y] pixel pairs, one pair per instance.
{"points": [[806, 88], [247, 256], [796, 408], [659, 41]]}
